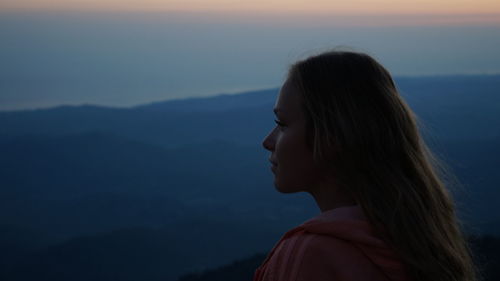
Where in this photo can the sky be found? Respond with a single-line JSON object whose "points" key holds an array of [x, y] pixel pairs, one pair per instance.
{"points": [[275, 6], [125, 53]]}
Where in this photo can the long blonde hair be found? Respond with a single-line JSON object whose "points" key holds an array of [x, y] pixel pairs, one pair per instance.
{"points": [[361, 129]]}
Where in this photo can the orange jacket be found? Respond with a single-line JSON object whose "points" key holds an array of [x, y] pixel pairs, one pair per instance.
{"points": [[337, 245]]}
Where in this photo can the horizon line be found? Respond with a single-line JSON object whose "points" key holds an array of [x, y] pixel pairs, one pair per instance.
{"points": [[221, 93]]}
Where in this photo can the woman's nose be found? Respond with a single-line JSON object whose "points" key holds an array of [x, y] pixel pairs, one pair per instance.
{"points": [[268, 142]]}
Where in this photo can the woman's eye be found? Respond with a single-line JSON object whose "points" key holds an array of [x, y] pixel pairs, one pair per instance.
{"points": [[279, 123]]}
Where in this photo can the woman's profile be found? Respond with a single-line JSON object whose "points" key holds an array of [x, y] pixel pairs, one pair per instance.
{"points": [[346, 136]]}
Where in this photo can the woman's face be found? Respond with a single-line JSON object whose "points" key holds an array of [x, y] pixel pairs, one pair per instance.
{"points": [[292, 161]]}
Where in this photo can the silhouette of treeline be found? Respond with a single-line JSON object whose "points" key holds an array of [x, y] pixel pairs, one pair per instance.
{"points": [[75, 180], [136, 254], [486, 251], [239, 270]]}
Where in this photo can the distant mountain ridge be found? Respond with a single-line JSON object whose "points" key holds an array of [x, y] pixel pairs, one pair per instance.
{"points": [[452, 107], [215, 103]]}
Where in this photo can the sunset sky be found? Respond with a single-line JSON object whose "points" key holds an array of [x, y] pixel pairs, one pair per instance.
{"points": [[124, 53], [276, 6]]}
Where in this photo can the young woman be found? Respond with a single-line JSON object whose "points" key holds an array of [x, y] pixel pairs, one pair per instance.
{"points": [[345, 135]]}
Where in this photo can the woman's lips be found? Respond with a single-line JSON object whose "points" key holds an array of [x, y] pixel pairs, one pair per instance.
{"points": [[272, 162], [273, 165]]}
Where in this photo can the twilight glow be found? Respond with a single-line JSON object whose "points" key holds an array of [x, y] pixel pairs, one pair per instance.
{"points": [[278, 6]]}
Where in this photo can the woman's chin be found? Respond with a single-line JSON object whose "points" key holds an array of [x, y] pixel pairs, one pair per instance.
{"points": [[284, 189]]}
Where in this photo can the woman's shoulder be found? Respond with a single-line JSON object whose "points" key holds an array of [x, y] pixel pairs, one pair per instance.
{"points": [[321, 245], [330, 258], [311, 256], [336, 245]]}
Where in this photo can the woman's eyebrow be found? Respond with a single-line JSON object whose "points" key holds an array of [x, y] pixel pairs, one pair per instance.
{"points": [[276, 110]]}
